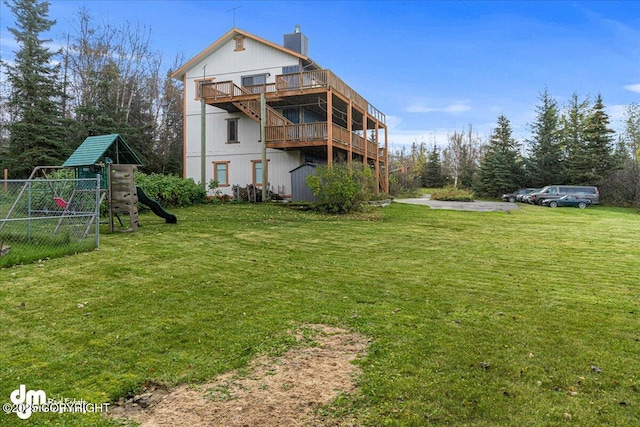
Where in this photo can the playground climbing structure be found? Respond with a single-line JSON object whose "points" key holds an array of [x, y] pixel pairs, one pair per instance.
{"points": [[123, 196]]}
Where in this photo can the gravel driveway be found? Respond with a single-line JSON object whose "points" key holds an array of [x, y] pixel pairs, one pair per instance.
{"points": [[460, 206]]}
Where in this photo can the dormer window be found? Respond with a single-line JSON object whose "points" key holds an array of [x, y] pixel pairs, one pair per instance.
{"points": [[239, 43]]}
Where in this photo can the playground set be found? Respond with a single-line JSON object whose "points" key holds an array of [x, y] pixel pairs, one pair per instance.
{"points": [[115, 161], [111, 159]]}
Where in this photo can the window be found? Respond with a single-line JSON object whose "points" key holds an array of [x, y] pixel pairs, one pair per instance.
{"points": [[232, 131], [257, 79], [257, 172], [290, 69], [199, 84], [239, 43], [221, 173]]}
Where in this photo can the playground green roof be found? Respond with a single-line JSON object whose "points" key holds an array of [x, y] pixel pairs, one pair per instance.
{"points": [[96, 149]]}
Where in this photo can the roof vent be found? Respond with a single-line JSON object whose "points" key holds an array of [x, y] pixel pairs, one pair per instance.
{"points": [[297, 42]]}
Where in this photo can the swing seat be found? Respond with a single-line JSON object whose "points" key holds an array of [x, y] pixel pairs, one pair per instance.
{"points": [[60, 202]]}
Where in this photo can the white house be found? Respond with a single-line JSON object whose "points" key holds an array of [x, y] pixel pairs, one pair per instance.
{"points": [[311, 114]]}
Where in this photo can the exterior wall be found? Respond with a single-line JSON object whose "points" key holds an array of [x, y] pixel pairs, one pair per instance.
{"points": [[299, 190], [226, 64]]}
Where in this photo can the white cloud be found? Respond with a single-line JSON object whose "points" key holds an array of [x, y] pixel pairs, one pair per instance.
{"points": [[616, 112], [393, 122], [633, 88], [455, 108], [399, 138]]}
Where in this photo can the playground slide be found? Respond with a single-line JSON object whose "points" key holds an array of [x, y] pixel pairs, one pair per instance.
{"points": [[156, 207]]}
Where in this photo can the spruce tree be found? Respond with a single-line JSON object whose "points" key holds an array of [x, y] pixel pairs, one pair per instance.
{"points": [[545, 164], [501, 167], [37, 134], [432, 173], [599, 159], [573, 125]]}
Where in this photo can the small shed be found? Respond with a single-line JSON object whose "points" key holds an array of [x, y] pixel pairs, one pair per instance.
{"points": [[91, 157], [299, 190]]}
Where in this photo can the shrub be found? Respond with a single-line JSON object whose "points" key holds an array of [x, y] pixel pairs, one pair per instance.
{"points": [[452, 194], [342, 187], [404, 184], [171, 190]]}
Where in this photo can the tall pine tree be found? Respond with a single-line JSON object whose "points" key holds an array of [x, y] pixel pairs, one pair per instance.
{"points": [[599, 159], [545, 165], [432, 173], [573, 125], [501, 167], [37, 136]]}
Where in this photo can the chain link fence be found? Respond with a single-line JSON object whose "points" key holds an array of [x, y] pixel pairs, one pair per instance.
{"points": [[46, 218]]}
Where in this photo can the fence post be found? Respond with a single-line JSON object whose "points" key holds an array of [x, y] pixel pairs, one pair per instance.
{"points": [[6, 177], [97, 212]]}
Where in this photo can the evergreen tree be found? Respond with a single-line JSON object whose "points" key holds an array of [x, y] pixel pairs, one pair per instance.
{"points": [[598, 159], [501, 167], [573, 125], [37, 135], [432, 173], [545, 164]]}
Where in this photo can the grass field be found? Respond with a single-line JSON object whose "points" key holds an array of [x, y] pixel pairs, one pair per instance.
{"points": [[525, 319]]}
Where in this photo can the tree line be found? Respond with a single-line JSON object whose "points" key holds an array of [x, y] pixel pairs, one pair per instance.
{"points": [[570, 144], [105, 79]]}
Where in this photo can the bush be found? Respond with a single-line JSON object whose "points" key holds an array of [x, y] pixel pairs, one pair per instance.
{"points": [[404, 184], [452, 194], [341, 188], [171, 190]]}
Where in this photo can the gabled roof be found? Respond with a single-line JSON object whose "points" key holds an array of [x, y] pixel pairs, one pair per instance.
{"points": [[234, 32], [95, 148]]}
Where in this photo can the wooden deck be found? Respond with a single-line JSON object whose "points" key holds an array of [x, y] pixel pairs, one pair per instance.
{"points": [[349, 118], [290, 85]]}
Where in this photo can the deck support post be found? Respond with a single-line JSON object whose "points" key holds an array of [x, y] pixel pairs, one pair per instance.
{"points": [[329, 128], [265, 163], [386, 160], [350, 129], [203, 144], [377, 159], [365, 159]]}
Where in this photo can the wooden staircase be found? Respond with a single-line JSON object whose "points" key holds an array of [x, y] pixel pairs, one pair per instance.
{"points": [[251, 108]]}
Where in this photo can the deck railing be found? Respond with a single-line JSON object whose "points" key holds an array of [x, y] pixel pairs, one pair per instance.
{"points": [[292, 134], [292, 82]]}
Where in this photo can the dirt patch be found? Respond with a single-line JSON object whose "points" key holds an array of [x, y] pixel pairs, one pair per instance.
{"points": [[273, 391]]}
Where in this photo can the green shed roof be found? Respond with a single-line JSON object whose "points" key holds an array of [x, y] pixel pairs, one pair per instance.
{"points": [[96, 149]]}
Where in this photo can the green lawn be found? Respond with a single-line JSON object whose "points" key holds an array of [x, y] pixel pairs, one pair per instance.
{"points": [[475, 318]]}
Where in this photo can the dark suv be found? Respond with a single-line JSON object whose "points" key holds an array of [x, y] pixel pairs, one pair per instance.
{"points": [[553, 192]]}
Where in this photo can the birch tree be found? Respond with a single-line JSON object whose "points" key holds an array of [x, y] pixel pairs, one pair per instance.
{"points": [[461, 157]]}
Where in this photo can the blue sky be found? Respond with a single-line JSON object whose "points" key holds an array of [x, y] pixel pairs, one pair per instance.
{"points": [[433, 67]]}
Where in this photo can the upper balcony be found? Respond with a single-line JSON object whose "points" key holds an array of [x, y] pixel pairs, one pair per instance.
{"points": [[286, 85]]}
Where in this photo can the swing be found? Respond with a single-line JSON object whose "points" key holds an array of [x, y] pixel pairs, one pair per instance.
{"points": [[60, 202]]}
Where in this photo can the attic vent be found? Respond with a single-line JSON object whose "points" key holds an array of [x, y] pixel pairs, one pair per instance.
{"points": [[238, 43], [297, 42]]}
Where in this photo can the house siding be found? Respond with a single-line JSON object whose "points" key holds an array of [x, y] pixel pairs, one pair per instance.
{"points": [[226, 64], [335, 113]]}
